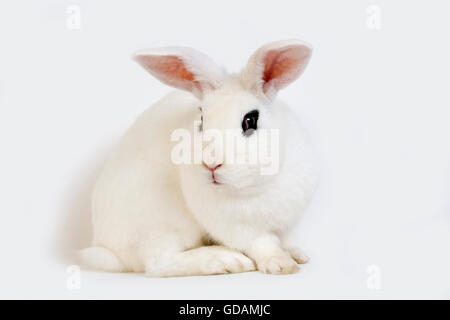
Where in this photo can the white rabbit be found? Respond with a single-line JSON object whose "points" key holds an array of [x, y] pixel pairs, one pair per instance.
{"points": [[154, 216]]}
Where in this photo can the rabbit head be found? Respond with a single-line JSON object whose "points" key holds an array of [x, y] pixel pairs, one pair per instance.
{"points": [[238, 108]]}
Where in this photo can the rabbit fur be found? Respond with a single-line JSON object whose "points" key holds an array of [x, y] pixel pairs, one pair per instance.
{"points": [[165, 219]]}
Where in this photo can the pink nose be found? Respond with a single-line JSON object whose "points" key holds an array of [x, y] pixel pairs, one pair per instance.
{"points": [[213, 167]]}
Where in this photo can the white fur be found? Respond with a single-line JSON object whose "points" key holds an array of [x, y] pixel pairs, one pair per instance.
{"points": [[154, 216]]}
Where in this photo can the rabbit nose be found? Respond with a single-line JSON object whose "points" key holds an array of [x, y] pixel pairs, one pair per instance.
{"points": [[212, 167]]}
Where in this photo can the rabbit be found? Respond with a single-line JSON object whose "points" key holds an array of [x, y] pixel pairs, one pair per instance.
{"points": [[154, 216]]}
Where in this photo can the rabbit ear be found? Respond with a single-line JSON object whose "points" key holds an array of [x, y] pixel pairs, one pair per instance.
{"points": [[275, 65], [182, 68]]}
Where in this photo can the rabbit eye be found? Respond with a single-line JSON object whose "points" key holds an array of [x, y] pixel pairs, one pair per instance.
{"points": [[250, 122]]}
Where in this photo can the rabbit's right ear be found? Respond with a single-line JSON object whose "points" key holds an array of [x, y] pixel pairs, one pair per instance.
{"points": [[182, 68]]}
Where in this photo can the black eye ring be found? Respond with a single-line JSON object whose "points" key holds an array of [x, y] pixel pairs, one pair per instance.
{"points": [[250, 122]]}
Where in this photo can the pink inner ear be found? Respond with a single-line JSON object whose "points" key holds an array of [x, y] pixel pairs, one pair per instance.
{"points": [[169, 69], [281, 67]]}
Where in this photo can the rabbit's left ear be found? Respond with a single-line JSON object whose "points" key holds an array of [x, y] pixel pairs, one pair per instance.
{"points": [[274, 66], [181, 68]]}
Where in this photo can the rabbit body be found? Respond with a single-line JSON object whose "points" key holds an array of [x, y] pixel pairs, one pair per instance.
{"points": [[165, 219]]}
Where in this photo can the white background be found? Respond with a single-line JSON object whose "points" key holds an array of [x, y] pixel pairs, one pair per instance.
{"points": [[376, 103]]}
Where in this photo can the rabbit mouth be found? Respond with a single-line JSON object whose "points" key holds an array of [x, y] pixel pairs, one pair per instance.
{"points": [[214, 181], [213, 176]]}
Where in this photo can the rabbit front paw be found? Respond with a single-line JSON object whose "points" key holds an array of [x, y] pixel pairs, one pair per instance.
{"points": [[277, 264], [298, 254], [229, 262]]}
